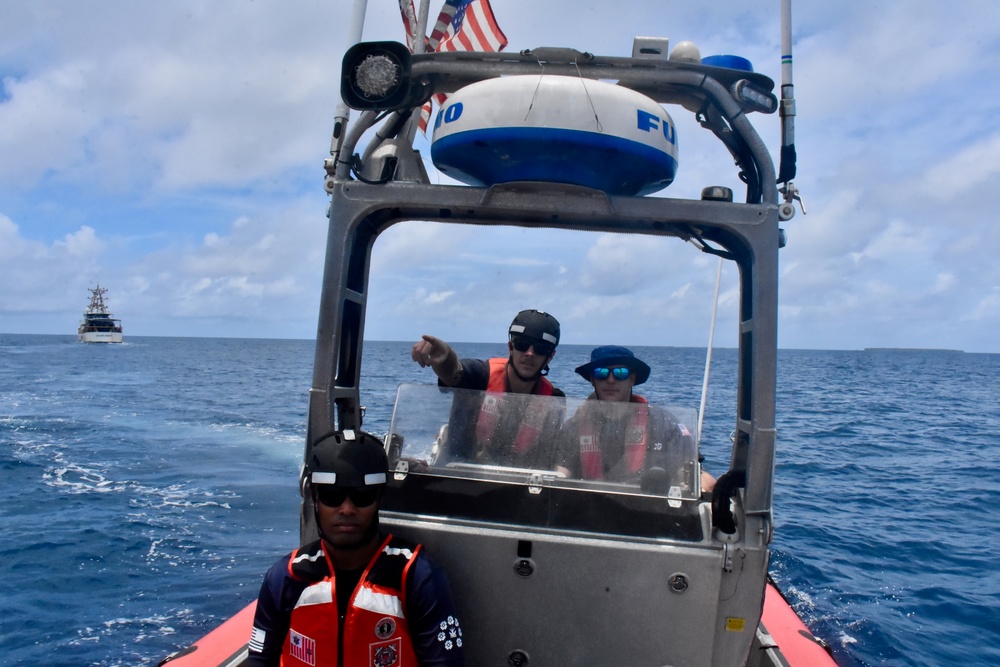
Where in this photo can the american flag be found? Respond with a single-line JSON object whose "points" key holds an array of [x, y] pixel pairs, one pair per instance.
{"points": [[467, 25], [302, 647], [409, 21], [462, 25]]}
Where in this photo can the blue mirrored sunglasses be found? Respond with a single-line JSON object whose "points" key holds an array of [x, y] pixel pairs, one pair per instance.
{"points": [[620, 373]]}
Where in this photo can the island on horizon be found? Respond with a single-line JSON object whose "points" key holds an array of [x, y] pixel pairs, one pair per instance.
{"points": [[912, 349]]}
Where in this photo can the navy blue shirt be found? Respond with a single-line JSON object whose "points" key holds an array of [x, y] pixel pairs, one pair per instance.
{"points": [[475, 375]]}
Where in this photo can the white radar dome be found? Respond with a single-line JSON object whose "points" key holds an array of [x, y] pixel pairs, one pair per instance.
{"points": [[559, 129]]}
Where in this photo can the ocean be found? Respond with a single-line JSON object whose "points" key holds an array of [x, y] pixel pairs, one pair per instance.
{"points": [[146, 487]]}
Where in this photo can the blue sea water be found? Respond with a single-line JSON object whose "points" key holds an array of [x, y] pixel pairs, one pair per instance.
{"points": [[146, 487]]}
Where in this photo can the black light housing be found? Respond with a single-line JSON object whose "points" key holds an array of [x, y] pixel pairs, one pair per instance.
{"points": [[376, 75], [753, 98]]}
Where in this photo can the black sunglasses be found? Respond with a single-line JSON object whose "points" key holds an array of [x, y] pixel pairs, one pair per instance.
{"points": [[332, 495], [542, 348]]}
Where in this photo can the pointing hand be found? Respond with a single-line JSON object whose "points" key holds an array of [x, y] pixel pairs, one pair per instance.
{"points": [[430, 351]]}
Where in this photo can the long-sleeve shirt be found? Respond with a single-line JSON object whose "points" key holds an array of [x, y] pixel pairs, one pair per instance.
{"points": [[430, 613]]}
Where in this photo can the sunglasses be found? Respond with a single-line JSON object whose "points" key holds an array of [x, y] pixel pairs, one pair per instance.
{"points": [[620, 373], [334, 496], [542, 348]]}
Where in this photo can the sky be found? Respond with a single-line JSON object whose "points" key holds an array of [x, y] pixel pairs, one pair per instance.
{"points": [[173, 152]]}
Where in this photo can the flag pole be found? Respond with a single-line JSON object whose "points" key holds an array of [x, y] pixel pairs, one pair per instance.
{"points": [[419, 46]]}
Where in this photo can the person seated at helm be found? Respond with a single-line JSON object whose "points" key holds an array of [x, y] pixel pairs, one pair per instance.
{"points": [[490, 428], [616, 435], [355, 596]]}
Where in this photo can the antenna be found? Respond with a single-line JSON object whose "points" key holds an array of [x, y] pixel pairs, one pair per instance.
{"points": [[708, 355], [786, 110], [342, 115]]}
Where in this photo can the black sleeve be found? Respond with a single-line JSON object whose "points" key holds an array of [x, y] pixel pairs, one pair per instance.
{"points": [[662, 447], [669, 447], [546, 455], [568, 447], [475, 374], [430, 610], [271, 621]]}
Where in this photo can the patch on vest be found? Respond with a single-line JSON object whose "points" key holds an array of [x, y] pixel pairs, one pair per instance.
{"points": [[301, 647], [491, 405], [385, 654], [385, 628]]}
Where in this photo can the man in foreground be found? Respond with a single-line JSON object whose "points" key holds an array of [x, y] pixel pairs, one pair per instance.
{"points": [[354, 596]]}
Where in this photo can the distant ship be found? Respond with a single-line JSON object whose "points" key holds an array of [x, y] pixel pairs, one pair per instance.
{"points": [[98, 326]]}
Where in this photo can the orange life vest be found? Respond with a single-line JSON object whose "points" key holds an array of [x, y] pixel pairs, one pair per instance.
{"points": [[376, 632], [489, 412], [591, 459]]}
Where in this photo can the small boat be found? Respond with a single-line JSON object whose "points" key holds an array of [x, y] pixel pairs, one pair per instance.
{"points": [[547, 569], [98, 326]]}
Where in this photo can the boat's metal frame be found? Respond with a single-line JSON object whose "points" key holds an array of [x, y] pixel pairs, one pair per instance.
{"points": [[531, 591]]}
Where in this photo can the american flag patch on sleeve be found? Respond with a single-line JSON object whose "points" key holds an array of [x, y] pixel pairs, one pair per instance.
{"points": [[257, 640]]}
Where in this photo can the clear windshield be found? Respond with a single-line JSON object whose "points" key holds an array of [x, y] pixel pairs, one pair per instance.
{"points": [[632, 448]]}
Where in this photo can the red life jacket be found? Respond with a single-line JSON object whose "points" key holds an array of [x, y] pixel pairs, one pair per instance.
{"points": [[591, 460], [375, 628], [489, 413]]}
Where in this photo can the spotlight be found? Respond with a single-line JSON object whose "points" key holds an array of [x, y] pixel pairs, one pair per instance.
{"points": [[376, 75]]}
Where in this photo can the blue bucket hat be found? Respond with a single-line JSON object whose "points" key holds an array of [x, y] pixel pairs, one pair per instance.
{"points": [[614, 355]]}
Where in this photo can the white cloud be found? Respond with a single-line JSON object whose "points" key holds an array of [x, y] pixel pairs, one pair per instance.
{"points": [[58, 266], [83, 243], [42, 121], [204, 100], [245, 272], [964, 174], [987, 309], [432, 298], [166, 154]]}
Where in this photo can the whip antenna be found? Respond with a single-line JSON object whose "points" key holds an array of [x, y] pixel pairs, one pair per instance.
{"points": [[708, 356], [355, 34], [786, 110]]}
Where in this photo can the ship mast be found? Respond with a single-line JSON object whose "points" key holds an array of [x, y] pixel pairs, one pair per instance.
{"points": [[97, 304]]}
